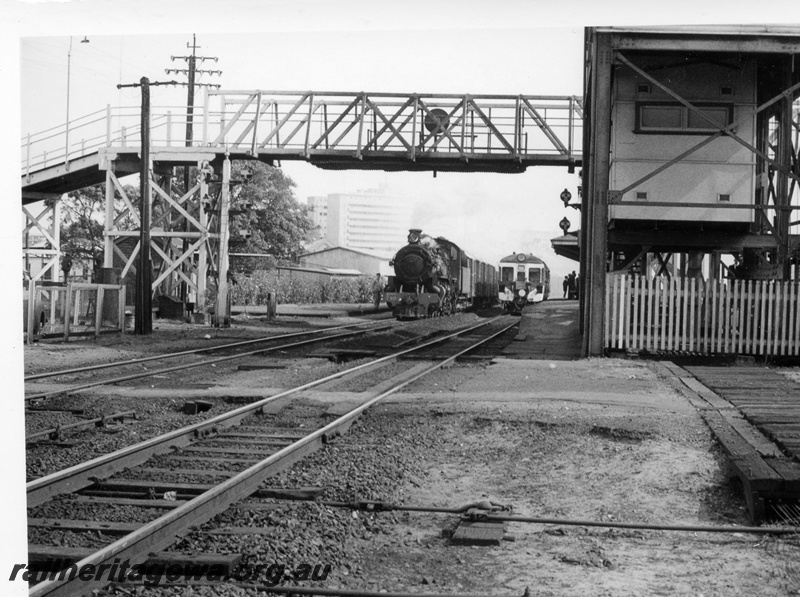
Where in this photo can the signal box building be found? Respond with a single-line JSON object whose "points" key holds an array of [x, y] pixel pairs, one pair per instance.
{"points": [[690, 172]]}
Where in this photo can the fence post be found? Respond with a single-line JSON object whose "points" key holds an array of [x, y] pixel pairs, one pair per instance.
{"points": [[67, 309], [98, 310], [77, 309], [121, 308], [272, 306], [651, 291], [634, 317], [770, 345], [31, 310], [784, 315], [671, 315], [791, 348], [607, 318], [689, 286]]}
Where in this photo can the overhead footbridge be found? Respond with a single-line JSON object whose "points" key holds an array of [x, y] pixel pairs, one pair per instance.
{"points": [[367, 131]]}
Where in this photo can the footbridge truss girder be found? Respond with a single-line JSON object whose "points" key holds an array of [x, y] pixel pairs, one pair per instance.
{"points": [[415, 132]]}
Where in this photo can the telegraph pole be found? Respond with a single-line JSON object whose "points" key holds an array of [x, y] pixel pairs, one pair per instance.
{"points": [[143, 323], [191, 73]]}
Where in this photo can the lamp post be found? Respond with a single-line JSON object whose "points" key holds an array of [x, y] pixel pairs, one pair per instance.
{"points": [[85, 40]]}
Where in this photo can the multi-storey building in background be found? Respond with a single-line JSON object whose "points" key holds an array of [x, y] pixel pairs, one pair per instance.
{"points": [[363, 220], [318, 212]]}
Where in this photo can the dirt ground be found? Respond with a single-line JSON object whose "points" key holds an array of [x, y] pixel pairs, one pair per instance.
{"points": [[595, 439], [598, 439]]}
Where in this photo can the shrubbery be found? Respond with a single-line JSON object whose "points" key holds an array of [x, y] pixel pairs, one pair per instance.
{"points": [[300, 288]]}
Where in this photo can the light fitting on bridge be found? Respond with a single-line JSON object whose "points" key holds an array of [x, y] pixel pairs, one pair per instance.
{"points": [[564, 224], [85, 40]]}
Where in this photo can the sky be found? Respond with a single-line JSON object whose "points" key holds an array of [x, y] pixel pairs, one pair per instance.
{"points": [[424, 46]]}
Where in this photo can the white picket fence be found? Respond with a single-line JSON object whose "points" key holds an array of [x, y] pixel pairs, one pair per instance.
{"points": [[748, 317]]}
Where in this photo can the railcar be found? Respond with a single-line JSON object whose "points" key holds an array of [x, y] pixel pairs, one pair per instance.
{"points": [[435, 277], [524, 279]]}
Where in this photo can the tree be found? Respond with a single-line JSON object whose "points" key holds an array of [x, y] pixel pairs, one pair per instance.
{"points": [[83, 223], [278, 224]]}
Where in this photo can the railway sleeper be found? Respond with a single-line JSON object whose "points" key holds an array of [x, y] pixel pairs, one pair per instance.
{"points": [[107, 421], [145, 486]]}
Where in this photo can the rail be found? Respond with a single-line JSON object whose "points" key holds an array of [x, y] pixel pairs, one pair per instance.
{"points": [[307, 125], [204, 350], [321, 337]]}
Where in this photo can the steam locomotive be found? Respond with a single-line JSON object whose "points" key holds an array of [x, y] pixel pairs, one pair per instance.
{"points": [[524, 279], [435, 277]]}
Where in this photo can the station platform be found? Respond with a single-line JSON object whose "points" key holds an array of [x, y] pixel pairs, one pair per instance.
{"points": [[547, 331]]}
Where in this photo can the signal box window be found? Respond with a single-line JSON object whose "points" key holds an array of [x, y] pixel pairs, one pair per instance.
{"points": [[677, 119], [661, 117], [719, 116]]}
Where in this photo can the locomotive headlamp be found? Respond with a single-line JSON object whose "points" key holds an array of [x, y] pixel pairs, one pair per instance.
{"points": [[413, 236], [521, 292]]}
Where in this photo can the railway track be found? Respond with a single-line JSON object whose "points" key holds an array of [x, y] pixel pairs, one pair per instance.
{"points": [[235, 445], [308, 338]]}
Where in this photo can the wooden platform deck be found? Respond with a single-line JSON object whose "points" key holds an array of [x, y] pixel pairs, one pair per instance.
{"points": [[766, 398], [547, 331], [754, 412]]}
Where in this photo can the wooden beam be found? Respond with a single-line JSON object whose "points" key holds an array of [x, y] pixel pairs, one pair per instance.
{"points": [[596, 236]]}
